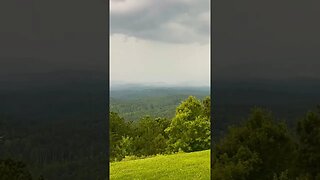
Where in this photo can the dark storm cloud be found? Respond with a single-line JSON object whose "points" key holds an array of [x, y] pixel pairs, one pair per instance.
{"points": [[177, 21]]}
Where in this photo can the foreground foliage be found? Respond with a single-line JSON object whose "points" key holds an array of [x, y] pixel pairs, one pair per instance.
{"points": [[308, 131], [188, 131], [262, 148], [14, 170]]}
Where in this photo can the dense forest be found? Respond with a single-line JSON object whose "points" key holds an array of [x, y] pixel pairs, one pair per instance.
{"points": [[260, 147], [62, 133], [263, 147], [59, 150], [188, 131], [135, 102], [278, 140], [252, 144], [56, 128]]}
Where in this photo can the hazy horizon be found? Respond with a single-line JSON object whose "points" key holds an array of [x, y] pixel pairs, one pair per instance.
{"points": [[117, 84]]}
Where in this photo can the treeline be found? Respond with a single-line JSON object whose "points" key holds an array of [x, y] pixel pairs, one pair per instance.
{"points": [[263, 148], [134, 103], [188, 131], [64, 149]]}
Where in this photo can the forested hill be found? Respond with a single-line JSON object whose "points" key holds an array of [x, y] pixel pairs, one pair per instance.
{"points": [[288, 99], [135, 101], [43, 116]]}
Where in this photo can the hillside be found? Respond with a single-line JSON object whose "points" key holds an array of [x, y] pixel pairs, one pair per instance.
{"points": [[288, 99], [43, 116], [134, 102], [186, 166]]}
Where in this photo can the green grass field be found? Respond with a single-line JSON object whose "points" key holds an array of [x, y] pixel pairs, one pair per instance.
{"points": [[185, 166]]}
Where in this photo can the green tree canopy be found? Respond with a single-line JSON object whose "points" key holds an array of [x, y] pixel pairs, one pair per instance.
{"points": [[118, 129], [150, 138], [308, 130], [257, 149], [190, 128]]}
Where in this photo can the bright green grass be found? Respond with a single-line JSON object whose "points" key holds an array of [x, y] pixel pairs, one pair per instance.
{"points": [[185, 166]]}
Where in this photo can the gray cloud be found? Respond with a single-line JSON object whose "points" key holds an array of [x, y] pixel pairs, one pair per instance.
{"points": [[174, 21]]}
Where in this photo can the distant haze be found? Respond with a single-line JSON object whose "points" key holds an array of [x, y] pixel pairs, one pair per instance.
{"points": [[160, 42]]}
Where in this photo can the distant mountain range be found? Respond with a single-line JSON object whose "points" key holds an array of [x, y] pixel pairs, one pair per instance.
{"points": [[114, 85], [136, 101]]}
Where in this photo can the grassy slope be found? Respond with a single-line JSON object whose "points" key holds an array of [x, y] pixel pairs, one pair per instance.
{"points": [[185, 166]]}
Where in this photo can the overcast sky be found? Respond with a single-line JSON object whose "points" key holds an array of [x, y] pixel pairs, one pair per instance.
{"points": [[265, 39], [163, 41]]}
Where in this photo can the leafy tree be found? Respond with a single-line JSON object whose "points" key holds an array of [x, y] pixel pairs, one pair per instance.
{"points": [[258, 149], [308, 130], [149, 136], [118, 129], [125, 146], [207, 106], [239, 166], [190, 128]]}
